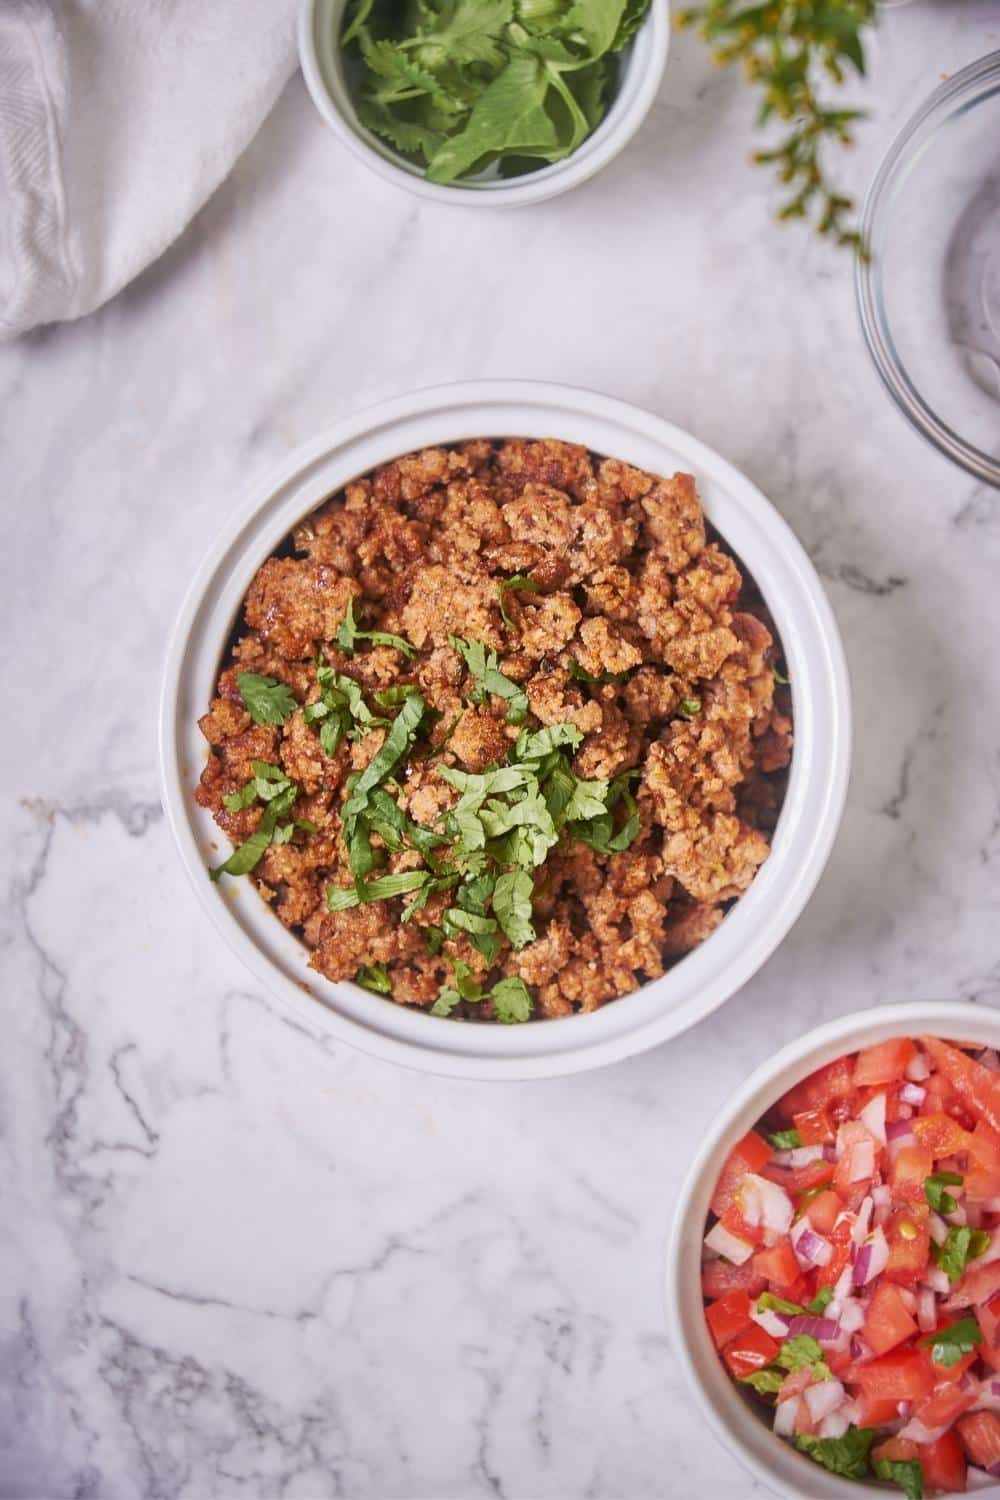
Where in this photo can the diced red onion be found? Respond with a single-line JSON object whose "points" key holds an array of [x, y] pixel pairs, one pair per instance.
{"points": [[830, 1153], [905, 1408], [872, 1259], [995, 1470], [908, 1299], [836, 1424], [859, 1349], [973, 1215], [872, 1118], [798, 1156], [912, 1093], [926, 1309], [852, 1315], [977, 1479], [897, 1128], [989, 1059], [882, 1199], [824, 1329], [918, 1433], [918, 1068], [905, 1112], [823, 1398], [957, 1216], [968, 1381], [995, 1387], [811, 1249], [938, 1229], [991, 1205], [862, 1161], [774, 1323], [785, 1414], [936, 1279], [862, 1222], [724, 1243], [765, 1203]]}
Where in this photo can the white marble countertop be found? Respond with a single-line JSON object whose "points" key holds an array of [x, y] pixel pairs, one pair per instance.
{"points": [[237, 1261]]}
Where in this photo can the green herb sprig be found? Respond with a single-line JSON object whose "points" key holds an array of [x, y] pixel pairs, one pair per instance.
{"points": [[786, 48]]}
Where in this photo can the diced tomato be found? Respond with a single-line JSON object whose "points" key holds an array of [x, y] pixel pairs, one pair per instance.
{"points": [[942, 1135], [894, 1450], [945, 1404], [945, 1374], [719, 1277], [823, 1210], [902, 1375], [943, 1464], [728, 1317], [982, 1176], [885, 1062], [909, 1243], [750, 1350], [748, 1155], [796, 1180], [876, 1411], [887, 1322], [978, 1086], [815, 1127], [985, 1147], [778, 1264], [734, 1221], [980, 1432], [977, 1285], [840, 1239], [988, 1317], [858, 1146], [830, 1087], [910, 1170], [801, 1291], [796, 1382]]}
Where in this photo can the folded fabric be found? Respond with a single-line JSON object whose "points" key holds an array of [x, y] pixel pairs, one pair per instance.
{"points": [[118, 119]]}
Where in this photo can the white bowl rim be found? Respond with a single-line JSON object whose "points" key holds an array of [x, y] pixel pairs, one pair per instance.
{"points": [[813, 803], [628, 109], [772, 1460]]}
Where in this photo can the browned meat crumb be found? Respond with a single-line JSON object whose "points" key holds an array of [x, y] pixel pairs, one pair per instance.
{"points": [[636, 626]]}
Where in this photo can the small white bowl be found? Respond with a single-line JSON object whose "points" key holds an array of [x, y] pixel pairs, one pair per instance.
{"points": [[729, 1413], [809, 816], [322, 59]]}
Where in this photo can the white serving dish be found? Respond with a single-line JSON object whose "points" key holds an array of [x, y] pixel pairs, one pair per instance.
{"points": [[817, 783], [727, 1411], [320, 23]]}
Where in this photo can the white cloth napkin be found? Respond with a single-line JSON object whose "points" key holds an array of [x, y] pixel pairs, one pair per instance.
{"points": [[118, 119]]}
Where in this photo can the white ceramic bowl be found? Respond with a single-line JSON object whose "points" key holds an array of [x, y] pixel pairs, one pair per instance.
{"points": [[322, 61], [729, 1412], [817, 783]]}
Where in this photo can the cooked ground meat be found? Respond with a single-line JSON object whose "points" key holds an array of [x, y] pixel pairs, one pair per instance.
{"points": [[501, 604]]}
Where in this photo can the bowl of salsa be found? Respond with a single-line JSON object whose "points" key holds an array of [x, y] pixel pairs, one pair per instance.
{"points": [[834, 1274]]}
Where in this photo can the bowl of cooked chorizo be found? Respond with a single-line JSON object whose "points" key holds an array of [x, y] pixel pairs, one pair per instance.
{"points": [[505, 731]]}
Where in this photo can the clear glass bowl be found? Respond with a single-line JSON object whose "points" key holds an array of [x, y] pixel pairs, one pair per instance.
{"points": [[929, 293]]}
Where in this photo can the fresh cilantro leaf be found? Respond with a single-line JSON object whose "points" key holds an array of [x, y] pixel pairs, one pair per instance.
{"points": [[392, 697], [283, 833], [802, 1350], [963, 1244], [598, 834], [847, 1455], [580, 674], [512, 897], [768, 1300], [535, 746], [485, 668], [512, 1001], [766, 1382], [509, 115], [465, 982], [412, 137], [599, 22], [634, 14], [785, 1140], [349, 633], [442, 883], [374, 977], [519, 583], [267, 700], [246, 797], [907, 1473], [589, 800], [819, 1304], [446, 1002], [249, 854], [689, 708], [948, 1345], [934, 1191], [434, 938], [482, 931], [397, 742], [341, 898]]}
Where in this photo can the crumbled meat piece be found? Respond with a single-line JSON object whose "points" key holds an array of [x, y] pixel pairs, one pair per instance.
{"points": [[296, 602], [674, 522], [602, 649], [638, 629], [479, 738]]}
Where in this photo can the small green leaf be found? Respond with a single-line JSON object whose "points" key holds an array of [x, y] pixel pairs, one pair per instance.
{"points": [[374, 977], [948, 1345], [689, 708], [847, 1455], [349, 633], [520, 581], [934, 1191], [512, 1001], [512, 898], [267, 700], [907, 1473], [785, 1140]]}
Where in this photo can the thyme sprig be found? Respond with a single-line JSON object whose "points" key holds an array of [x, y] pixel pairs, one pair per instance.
{"points": [[787, 49]]}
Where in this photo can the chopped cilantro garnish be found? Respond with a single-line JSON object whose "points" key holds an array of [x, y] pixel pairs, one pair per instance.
{"points": [[484, 666], [934, 1191], [948, 1345], [349, 633], [819, 1304], [962, 1245], [519, 582], [803, 1350], [512, 896], [582, 675], [768, 1300], [341, 898], [434, 938], [374, 977], [847, 1455], [689, 708], [267, 700], [512, 1001], [270, 829], [598, 834], [785, 1140], [907, 1473]]}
